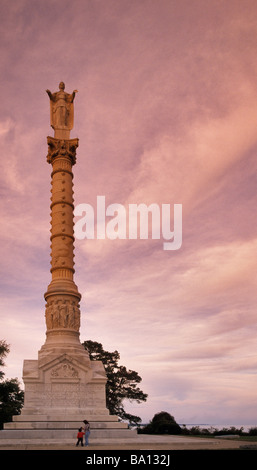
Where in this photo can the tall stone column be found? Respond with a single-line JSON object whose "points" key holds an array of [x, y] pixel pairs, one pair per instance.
{"points": [[62, 296]]}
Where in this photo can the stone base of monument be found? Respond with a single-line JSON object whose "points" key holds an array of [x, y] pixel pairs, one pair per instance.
{"points": [[63, 388], [62, 428]]}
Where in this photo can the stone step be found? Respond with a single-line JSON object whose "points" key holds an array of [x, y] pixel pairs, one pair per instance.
{"points": [[62, 434], [64, 425], [55, 443], [64, 417]]}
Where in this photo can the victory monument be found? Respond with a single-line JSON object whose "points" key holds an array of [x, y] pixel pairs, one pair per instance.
{"points": [[63, 387]]}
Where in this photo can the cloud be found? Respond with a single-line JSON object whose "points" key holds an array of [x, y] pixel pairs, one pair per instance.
{"points": [[188, 169]]}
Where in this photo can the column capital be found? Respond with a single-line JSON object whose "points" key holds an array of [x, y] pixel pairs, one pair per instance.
{"points": [[62, 148]]}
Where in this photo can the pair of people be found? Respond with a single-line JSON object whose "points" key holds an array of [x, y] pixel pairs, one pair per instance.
{"points": [[83, 431]]}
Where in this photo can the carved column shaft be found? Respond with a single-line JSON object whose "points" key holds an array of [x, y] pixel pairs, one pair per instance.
{"points": [[62, 296]]}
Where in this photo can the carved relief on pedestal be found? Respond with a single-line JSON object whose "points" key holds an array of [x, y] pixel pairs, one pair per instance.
{"points": [[59, 394], [65, 370], [62, 313]]}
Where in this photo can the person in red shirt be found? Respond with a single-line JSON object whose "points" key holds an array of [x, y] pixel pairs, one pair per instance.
{"points": [[80, 437]]}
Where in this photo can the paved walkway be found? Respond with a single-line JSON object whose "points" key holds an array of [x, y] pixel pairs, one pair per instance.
{"points": [[141, 442]]}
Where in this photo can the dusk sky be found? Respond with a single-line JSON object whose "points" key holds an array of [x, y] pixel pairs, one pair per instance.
{"points": [[166, 113]]}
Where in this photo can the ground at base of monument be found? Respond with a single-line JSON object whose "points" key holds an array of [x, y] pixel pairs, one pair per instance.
{"points": [[141, 442]]}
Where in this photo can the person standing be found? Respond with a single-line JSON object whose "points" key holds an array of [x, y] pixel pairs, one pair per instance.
{"points": [[87, 431], [80, 437]]}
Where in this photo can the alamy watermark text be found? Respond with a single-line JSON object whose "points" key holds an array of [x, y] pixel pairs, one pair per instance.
{"points": [[137, 221]]}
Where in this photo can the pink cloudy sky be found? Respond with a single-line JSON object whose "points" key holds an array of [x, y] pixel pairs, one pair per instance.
{"points": [[166, 113]]}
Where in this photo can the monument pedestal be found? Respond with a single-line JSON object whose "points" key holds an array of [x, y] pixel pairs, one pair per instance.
{"points": [[62, 388], [64, 380]]}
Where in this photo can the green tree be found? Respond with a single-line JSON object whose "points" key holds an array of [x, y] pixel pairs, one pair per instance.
{"points": [[4, 350], [11, 396], [162, 423], [121, 383]]}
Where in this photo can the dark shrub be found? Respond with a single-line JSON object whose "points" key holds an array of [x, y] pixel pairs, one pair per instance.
{"points": [[162, 423]]}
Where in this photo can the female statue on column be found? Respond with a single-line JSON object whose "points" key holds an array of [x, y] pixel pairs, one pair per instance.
{"points": [[61, 108]]}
